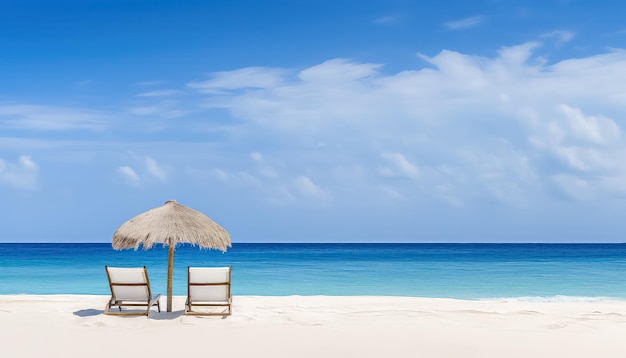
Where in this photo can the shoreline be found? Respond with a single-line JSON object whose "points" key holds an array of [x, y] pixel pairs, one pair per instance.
{"points": [[529, 299], [315, 326]]}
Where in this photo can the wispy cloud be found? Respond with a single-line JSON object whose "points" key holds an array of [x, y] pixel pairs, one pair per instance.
{"points": [[466, 23], [589, 129], [20, 175], [238, 179], [492, 122], [161, 108], [398, 166], [256, 156], [507, 127], [560, 36], [161, 93], [148, 168], [386, 20], [264, 169], [338, 70], [305, 186], [392, 192], [150, 83], [155, 169], [129, 175], [40, 117], [251, 77]]}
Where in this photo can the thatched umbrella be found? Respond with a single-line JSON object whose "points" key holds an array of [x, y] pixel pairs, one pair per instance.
{"points": [[169, 225]]}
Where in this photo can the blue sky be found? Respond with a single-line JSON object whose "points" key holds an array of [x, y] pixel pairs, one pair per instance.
{"points": [[307, 121]]}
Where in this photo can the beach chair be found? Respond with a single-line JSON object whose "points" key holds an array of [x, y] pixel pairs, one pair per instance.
{"points": [[130, 287], [208, 291]]}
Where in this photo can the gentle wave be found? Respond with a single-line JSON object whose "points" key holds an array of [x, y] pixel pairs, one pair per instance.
{"points": [[557, 299]]}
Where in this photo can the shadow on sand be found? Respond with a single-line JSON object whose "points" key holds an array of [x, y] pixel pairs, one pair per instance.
{"points": [[166, 315], [88, 312], [153, 315]]}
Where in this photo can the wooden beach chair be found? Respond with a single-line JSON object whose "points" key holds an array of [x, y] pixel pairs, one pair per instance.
{"points": [[130, 287], [208, 288]]}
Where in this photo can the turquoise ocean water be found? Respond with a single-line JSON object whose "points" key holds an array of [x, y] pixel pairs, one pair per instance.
{"points": [[465, 271]]}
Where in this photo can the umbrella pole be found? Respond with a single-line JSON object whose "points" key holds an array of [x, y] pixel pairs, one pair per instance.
{"points": [[170, 268]]}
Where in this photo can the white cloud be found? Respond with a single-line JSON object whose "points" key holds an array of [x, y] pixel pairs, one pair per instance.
{"points": [[306, 187], [160, 93], [464, 23], [268, 172], [148, 170], [129, 175], [245, 179], [221, 175], [400, 167], [39, 117], [163, 109], [455, 113], [560, 35], [338, 70], [150, 83], [392, 192], [581, 142], [264, 169], [264, 188], [155, 169], [592, 129], [256, 156], [251, 77], [504, 174], [21, 175], [231, 178], [385, 20], [512, 57], [84, 83]]}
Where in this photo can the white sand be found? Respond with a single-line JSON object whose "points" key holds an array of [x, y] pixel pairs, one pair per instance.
{"points": [[319, 326]]}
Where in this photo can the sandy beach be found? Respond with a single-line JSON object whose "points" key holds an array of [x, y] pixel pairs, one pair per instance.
{"points": [[315, 326]]}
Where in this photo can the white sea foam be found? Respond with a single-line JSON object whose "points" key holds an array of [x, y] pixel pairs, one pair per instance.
{"points": [[557, 298]]}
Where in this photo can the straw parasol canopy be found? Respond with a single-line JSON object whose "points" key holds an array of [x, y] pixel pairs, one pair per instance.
{"points": [[169, 225]]}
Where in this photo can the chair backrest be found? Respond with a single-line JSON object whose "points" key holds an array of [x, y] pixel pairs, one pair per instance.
{"points": [[129, 284], [207, 284]]}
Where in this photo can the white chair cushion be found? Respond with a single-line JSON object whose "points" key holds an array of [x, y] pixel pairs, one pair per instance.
{"points": [[212, 293], [132, 276]]}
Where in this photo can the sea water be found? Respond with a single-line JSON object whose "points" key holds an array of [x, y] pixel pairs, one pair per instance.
{"points": [[463, 271]]}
